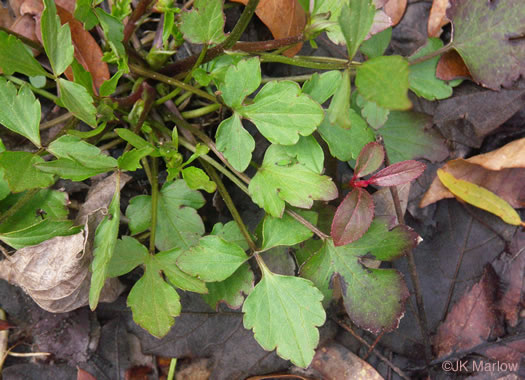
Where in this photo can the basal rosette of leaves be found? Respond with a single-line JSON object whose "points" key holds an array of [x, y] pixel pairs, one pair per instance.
{"points": [[192, 131]]}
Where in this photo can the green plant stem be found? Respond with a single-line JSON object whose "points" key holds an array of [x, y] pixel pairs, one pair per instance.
{"points": [[265, 57], [421, 315], [198, 112], [295, 78], [229, 203], [241, 25], [154, 203], [171, 81], [307, 224], [38, 91], [18, 205], [57, 120], [171, 372], [186, 144], [431, 55]]}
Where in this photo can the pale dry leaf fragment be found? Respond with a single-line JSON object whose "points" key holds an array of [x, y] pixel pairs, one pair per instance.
{"points": [[284, 18], [437, 18], [55, 273], [334, 361], [501, 171], [381, 22]]}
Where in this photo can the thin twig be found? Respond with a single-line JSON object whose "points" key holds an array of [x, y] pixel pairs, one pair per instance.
{"points": [[421, 315], [135, 16], [378, 354]]}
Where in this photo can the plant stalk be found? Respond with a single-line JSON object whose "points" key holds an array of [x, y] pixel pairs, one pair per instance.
{"points": [[154, 203]]}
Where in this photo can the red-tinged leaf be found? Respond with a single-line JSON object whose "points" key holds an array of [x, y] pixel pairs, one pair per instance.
{"points": [[353, 217], [473, 319], [84, 375], [369, 160], [398, 173], [139, 372]]}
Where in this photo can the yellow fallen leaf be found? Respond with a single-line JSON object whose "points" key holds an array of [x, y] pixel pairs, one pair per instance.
{"points": [[480, 198]]}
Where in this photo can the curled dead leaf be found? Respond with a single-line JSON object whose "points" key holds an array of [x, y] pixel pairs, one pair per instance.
{"points": [[395, 9], [55, 273], [501, 171], [451, 66], [437, 18], [25, 26], [284, 18]]}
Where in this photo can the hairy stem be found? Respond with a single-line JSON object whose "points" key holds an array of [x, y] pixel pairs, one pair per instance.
{"points": [[431, 55], [201, 111], [241, 25], [301, 62], [154, 203]]}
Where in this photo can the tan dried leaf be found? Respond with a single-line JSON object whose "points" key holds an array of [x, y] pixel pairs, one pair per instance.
{"points": [[395, 9], [56, 274], [437, 18], [284, 18], [501, 171], [25, 26], [451, 66], [334, 361]]}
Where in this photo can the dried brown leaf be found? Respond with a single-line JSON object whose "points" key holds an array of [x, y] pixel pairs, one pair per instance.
{"points": [[84, 375], [473, 319], [5, 18], [284, 18], [505, 352], [87, 51], [501, 171], [395, 9], [25, 26], [334, 361], [451, 66], [437, 18], [384, 204]]}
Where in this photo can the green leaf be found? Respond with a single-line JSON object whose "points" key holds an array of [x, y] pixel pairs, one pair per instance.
{"points": [[281, 113], [16, 57], [52, 203], [408, 135], [321, 86], [488, 35], [283, 312], [130, 160], [355, 21], [69, 169], [235, 142], [86, 154], [213, 259], [294, 183], [384, 81], [240, 81], [178, 224], [139, 214], [231, 290], [230, 232], [82, 76], [197, 179], [308, 152], [20, 112], [20, 172], [114, 32], [167, 261], [480, 197], [56, 39], [108, 87], [132, 138], [4, 186], [340, 104], [286, 230], [86, 14], [375, 116], [39, 232], [129, 254], [205, 23], [345, 144], [103, 248], [373, 298], [154, 303], [376, 45], [422, 77], [77, 100]]}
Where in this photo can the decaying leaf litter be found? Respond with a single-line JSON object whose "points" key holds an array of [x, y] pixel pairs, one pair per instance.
{"points": [[477, 266]]}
